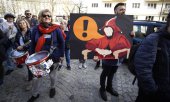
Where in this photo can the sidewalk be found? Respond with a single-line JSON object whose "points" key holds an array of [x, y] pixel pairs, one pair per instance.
{"points": [[77, 85]]}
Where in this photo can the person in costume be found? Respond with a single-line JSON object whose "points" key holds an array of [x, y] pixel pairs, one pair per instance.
{"points": [[45, 36]]}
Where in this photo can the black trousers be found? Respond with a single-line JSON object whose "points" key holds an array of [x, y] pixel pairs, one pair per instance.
{"points": [[108, 72]]}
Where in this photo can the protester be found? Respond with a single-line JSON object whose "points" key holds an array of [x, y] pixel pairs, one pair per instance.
{"points": [[22, 43], [30, 20], [152, 68], [109, 43], [45, 36], [10, 30], [3, 40], [65, 25]]}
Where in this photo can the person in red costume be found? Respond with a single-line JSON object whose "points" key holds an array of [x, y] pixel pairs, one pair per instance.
{"points": [[112, 49]]}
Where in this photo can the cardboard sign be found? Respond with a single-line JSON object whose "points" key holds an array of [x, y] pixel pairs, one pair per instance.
{"points": [[101, 35]]}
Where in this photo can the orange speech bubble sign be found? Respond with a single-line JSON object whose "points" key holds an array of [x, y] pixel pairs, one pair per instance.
{"points": [[85, 28]]}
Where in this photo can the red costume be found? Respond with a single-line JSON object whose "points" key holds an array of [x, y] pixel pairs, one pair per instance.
{"points": [[117, 41]]}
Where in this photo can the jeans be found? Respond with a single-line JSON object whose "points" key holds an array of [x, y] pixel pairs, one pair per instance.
{"points": [[9, 64], [67, 55]]}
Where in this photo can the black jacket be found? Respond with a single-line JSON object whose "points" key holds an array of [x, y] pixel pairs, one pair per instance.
{"points": [[153, 67], [3, 41]]}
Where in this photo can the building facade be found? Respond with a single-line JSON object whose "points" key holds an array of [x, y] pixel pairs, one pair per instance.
{"points": [[156, 10]]}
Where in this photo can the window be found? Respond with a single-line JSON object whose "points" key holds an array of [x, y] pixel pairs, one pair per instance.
{"points": [[163, 18], [135, 17], [108, 5], [94, 5], [167, 5], [149, 18], [136, 5], [152, 5]]}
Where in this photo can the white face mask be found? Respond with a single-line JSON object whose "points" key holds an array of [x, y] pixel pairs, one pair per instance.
{"points": [[108, 31]]}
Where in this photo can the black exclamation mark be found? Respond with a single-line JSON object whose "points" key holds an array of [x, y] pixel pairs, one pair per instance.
{"points": [[85, 22]]}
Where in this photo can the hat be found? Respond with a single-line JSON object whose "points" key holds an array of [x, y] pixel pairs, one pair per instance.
{"points": [[112, 23], [9, 15]]}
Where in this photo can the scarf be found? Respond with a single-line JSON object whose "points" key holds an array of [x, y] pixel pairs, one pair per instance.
{"points": [[41, 39]]}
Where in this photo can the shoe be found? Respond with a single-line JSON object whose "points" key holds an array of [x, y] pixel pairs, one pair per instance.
{"points": [[112, 91], [19, 66], [8, 72], [103, 94], [68, 67], [33, 98], [80, 65], [52, 92], [84, 65]]}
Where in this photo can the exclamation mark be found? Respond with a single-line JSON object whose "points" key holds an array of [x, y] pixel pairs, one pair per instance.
{"points": [[85, 22]]}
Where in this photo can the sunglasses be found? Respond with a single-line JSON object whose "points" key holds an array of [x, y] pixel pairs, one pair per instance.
{"points": [[46, 16], [28, 13]]}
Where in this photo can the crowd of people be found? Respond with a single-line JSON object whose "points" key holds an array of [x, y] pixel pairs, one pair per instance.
{"points": [[32, 34], [153, 72]]}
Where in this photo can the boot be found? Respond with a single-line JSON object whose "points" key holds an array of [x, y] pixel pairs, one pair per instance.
{"points": [[103, 94], [112, 91], [33, 98], [68, 67], [52, 92]]}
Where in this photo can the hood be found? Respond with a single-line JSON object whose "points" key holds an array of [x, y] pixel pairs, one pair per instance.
{"points": [[112, 23]]}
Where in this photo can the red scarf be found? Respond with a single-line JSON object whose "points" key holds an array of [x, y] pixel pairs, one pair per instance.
{"points": [[41, 39]]}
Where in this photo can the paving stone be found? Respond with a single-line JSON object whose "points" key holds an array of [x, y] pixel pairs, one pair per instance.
{"points": [[75, 85]]}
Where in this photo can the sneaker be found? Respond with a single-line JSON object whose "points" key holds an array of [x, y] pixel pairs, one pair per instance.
{"points": [[33, 98], [52, 92], [112, 91], [80, 65], [9, 72], [68, 67], [84, 65], [103, 94]]}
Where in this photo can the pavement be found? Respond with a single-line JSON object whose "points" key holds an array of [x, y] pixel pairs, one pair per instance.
{"points": [[75, 85]]}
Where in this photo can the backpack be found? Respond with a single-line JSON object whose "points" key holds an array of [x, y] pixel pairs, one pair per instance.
{"points": [[131, 66]]}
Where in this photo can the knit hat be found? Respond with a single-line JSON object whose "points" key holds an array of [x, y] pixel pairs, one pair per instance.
{"points": [[9, 15]]}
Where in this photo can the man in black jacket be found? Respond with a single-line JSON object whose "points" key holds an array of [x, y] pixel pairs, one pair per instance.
{"points": [[3, 40], [153, 67]]}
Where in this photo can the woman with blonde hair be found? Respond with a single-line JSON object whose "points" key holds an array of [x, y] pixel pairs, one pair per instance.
{"points": [[46, 36], [22, 43]]}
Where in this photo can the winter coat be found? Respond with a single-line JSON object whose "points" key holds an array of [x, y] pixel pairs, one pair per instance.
{"points": [[25, 38], [58, 41], [152, 62], [3, 41]]}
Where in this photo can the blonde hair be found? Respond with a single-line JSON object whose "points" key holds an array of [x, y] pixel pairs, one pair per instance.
{"points": [[41, 13], [22, 19]]}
